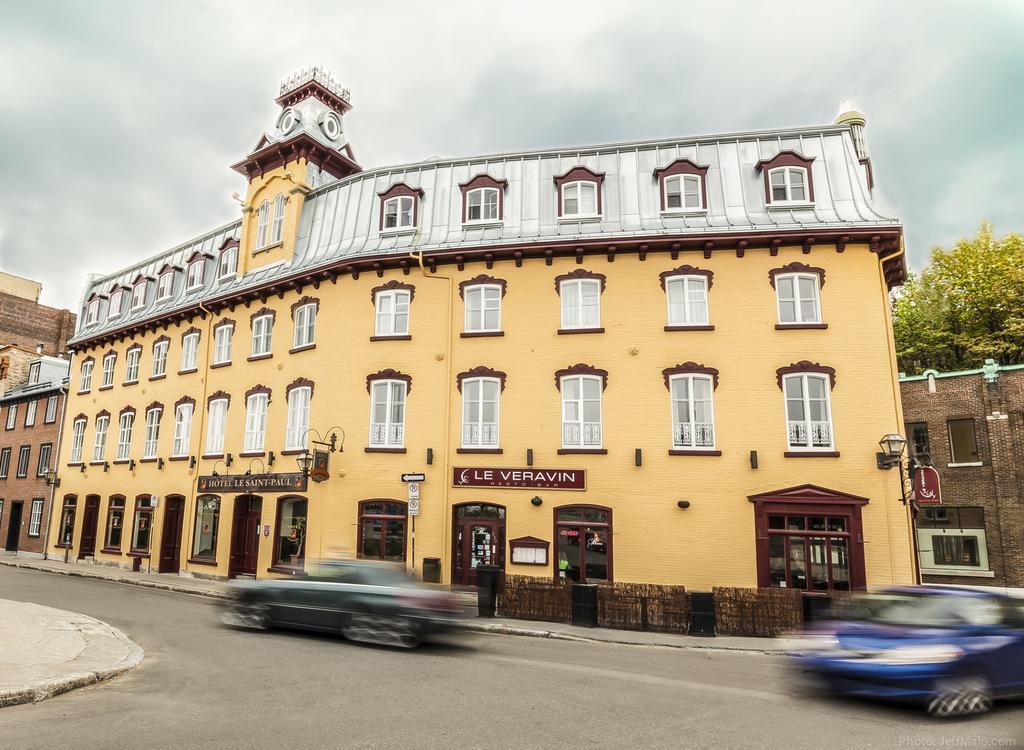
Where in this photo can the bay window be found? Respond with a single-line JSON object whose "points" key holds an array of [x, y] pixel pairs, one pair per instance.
{"points": [[480, 412], [255, 421], [387, 413]]}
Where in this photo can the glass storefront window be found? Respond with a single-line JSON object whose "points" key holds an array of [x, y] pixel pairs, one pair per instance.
{"points": [[67, 521], [583, 544], [204, 545], [143, 529], [291, 532], [809, 553], [115, 522], [382, 530]]}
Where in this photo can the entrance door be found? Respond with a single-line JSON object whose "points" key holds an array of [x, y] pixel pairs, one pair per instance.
{"points": [[14, 527], [170, 539], [90, 519], [479, 536], [245, 536]]}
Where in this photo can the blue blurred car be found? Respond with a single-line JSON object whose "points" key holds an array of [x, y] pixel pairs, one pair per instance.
{"points": [[950, 649]]}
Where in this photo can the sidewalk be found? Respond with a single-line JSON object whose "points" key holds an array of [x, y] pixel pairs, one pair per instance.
{"points": [[496, 625], [46, 651]]}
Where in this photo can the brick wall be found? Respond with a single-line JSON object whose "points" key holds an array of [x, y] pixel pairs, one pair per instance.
{"points": [[998, 484], [26, 323]]}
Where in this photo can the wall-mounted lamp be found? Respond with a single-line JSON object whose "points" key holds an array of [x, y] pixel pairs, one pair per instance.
{"points": [[529, 456], [684, 504], [131, 464], [191, 462], [81, 468], [270, 458], [430, 456], [106, 466], [638, 457], [159, 463], [753, 459], [535, 501], [228, 460], [305, 462], [51, 478]]}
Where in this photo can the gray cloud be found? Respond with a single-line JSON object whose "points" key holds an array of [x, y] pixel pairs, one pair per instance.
{"points": [[120, 118]]}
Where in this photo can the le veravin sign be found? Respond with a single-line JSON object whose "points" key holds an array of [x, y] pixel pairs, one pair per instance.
{"points": [[519, 479], [292, 482]]}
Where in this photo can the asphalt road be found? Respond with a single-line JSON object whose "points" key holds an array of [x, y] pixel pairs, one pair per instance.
{"points": [[202, 685]]}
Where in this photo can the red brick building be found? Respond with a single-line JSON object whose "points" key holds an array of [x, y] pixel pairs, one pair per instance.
{"points": [[969, 423]]}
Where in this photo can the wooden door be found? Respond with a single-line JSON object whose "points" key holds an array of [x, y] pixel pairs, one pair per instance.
{"points": [[14, 527], [170, 538], [478, 541], [245, 536], [90, 520]]}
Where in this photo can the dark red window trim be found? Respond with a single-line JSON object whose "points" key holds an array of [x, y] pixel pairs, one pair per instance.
{"points": [[392, 286], [481, 371], [689, 368], [400, 190], [307, 300], [786, 158], [682, 166], [361, 514], [299, 383], [258, 389], [389, 374], [221, 323], [217, 396], [260, 313], [584, 524], [581, 368], [808, 499], [802, 367], [579, 273], [686, 270], [276, 565], [797, 267], [580, 174], [481, 280], [484, 181]]}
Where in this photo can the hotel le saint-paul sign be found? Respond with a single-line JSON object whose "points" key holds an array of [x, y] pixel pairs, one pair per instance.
{"points": [[519, 479], [289, 482]]}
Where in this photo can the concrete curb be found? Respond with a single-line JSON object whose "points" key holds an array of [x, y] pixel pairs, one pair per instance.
{"points": [[48, 688]]}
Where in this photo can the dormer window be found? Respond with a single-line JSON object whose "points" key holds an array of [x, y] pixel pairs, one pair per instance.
{"points": [[139, 293], [262, 224], [399, 208], [787, 179], [228, 265], [116, 302], [682, 187], [482, 200], [165, 283], [92, 313], [579, 194], [277, 226], [196, 268], [33, 373]]}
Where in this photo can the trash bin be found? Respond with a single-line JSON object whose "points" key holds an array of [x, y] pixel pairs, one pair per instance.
{"points": [[816, 607], [488, 581], [584, 604], [702, 614], [432, 569]]}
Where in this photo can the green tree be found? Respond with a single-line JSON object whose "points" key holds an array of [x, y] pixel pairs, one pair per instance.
{"points": [[965, 306]]}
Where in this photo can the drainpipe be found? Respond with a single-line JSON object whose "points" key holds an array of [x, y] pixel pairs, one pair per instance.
{"points": [[56, 455], [898, 401], [445, 450]]}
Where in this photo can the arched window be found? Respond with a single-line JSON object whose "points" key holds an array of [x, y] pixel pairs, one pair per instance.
{"points": [[382, 526], [204, 540], [787, 179], [290, 540], [583, 541], [262, 221], [115, 524], [482, 205], [142, 530], [277, 227]]}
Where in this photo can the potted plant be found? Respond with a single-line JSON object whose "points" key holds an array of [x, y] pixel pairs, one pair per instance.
{"points": [[297, 537]]}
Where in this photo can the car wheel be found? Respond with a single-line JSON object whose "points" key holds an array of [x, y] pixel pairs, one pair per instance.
{"points": [[248, 616], [960, 697], [386, 631]]}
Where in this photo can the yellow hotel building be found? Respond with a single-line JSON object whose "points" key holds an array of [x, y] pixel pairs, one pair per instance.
{"points": [[659, 361]]}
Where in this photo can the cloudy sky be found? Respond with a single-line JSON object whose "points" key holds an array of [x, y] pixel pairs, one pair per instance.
{"points": [[118, 120]]}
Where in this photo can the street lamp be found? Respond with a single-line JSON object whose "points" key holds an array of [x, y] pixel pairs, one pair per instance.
{"points": [[51, 478], [891, 457], [305, 462], [892, 446]]}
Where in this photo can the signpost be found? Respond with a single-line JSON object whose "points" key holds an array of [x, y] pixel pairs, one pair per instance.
{"points": [[926, 486], [519, 479]]}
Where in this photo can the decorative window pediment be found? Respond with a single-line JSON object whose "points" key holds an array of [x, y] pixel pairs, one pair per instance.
{"points": [[481, 371], [803, 367], [689, 368], [483, 199], [399, 207], [579, 193], [682, 186], [787, 178], [581, 368], [389, 374]]}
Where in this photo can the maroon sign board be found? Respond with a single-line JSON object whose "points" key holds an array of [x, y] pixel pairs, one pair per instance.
{"points": [[519, 479], [926, 486]]}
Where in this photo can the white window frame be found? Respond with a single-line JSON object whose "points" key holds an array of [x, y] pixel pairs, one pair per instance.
{"points": [[92, 313], [228, 263], [165, 286], [35, 520], [478, 433], [196, 269], [160, 352], [116, 301], [578, 285], [151, 445], [125, 427], [480, 291], [12, 416], [392, 296], [99, 445], [298, 418], [262, 340], [43, 462], [50, 416], [391, 432], [481, 195], [33, 372], [108, 370], [404, 212], [690, 283], [77, 440], [139, 292], [927, 553], [304, 326], [85, 379], [697, 431], [277, 225], [223, 337], [682, 180], [182, 429], [256, 422], [581, 424], [577, 187], [30, 413], [5, 465], [131, 365], [806, 422], [262, 224], [216, 427], [24, 459], [788, 184], [797, 299], [189, 352]]}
